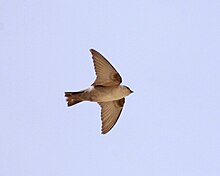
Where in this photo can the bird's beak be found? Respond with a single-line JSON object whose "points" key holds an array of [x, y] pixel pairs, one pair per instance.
{"points": [[132, 91]]}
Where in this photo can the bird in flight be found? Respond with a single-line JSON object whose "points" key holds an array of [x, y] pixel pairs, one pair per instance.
{"points": [[106, 91]]}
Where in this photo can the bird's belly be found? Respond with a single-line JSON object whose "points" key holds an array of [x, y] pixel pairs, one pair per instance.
{"points": [[103, 95]]}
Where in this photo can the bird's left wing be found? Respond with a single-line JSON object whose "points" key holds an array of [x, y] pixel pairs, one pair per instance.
{"points": [[105, 72], [110, 113]]}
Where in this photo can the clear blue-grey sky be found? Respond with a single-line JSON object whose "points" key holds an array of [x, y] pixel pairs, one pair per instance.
{"points": [[168, 52]]}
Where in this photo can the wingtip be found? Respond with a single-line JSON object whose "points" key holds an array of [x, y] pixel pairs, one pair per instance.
{"points": [[92, 50], [104, 132]]}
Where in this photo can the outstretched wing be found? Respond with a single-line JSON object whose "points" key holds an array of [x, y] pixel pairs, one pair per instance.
{"points": [[105, 72], [110, 113]]}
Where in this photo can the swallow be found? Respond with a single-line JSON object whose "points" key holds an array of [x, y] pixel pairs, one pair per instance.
{"points": [[106, 90]]}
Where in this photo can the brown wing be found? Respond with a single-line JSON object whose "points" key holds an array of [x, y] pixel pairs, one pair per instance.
{"points": [[105, 72], [110, 113]]}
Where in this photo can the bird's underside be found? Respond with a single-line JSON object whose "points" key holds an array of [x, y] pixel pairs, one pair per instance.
{"points": [[105, 90]]}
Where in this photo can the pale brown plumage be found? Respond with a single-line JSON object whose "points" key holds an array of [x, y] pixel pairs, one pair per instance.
{"points": [[105, 72], [110, 113], [106, 91]]}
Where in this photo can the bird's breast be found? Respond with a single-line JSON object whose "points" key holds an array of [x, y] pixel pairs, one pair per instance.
{"points": [[102, 94]]}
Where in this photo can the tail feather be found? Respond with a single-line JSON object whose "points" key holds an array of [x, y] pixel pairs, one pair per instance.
{"points": [[71, 98]]}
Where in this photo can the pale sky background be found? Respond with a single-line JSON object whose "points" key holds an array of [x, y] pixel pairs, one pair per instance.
{"points": [[167, 51]]}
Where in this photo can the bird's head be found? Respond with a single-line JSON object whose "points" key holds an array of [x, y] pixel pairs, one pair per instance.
{"points": [[127, 90]]}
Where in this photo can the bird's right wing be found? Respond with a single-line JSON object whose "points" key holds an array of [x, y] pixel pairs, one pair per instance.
{"points": [[110, 113], [105, 72]]}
